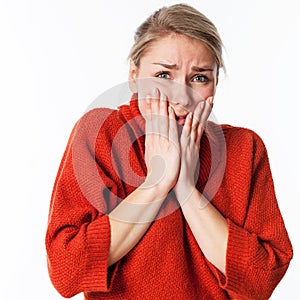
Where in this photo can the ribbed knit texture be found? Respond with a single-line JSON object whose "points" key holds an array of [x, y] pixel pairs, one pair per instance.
{"points": [[104, 162]]}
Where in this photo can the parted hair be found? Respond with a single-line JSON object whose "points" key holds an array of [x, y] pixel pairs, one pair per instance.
{"points": [[180, 19]]}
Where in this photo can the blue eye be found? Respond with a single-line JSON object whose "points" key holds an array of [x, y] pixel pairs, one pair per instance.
{"points": [[200, 78], [163, 75]]}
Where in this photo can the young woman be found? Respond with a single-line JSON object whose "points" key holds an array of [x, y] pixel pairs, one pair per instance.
{"points": [[151, 200]]}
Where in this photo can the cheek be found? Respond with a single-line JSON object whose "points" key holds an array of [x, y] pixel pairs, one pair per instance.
{"points": [[142, 108], [207, 90], [148, 86]]}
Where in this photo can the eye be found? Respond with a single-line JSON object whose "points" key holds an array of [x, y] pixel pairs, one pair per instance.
{"points": [[163, 75], [200, 78]]}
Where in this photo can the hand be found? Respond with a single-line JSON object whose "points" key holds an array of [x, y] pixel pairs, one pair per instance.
{"points": [[190, 148], [162, 149]]}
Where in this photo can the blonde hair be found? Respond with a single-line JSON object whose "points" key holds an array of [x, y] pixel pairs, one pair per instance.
{"points": [[181, 19]]}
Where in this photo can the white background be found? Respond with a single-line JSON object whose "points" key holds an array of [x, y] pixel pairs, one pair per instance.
{"points": [[57, 56]]}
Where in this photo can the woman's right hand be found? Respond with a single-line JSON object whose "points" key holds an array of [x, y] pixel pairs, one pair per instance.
{"points": [[132, 217], [162, 149]]}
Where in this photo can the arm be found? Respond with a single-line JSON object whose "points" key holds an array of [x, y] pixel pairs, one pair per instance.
{"points": [[258, 245], [78, 231], [240, 249], [209, 228], [130, 220], [84, 236], [132, 217], [207, 224]]}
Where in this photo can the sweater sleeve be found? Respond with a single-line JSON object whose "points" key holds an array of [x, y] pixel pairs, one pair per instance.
{"points": [[78, 233], [259, 249]]}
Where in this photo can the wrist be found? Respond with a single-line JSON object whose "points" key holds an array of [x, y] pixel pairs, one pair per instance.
{"points": [[158, 190], [183, 192]]}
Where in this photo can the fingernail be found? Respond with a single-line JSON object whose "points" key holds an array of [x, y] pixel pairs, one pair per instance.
{"points": [[155, 93], [190, 115], [163, 97], [210, 100]]}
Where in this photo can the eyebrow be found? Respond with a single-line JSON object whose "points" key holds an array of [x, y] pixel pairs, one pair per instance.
{"points": [[198, 69], [168, 66], [175, 67]]}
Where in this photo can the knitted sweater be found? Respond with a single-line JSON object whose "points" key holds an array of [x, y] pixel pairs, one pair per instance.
{"points": [[104, 162]]}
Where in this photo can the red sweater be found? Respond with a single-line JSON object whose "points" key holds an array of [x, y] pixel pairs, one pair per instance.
{"points": [[101, 166]]}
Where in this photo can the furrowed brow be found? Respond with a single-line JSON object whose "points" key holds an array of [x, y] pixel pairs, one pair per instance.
{"points": [[167, 66], [199, 69]]}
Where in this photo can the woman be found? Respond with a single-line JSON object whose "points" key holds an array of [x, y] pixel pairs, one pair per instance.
{"points": [[151, 200]]}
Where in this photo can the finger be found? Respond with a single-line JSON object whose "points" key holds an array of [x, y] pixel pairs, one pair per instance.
{"points": [[173, 131], [204, 117], [163, 116], [196, 120], [155, 111], [187, 127], [206, 111], [148, 114]]}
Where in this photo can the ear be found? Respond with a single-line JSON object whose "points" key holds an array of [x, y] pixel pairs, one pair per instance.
{"points": [[132, 76]]}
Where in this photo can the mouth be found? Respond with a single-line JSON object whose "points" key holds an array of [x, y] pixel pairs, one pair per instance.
{"points": [[180, 119]]}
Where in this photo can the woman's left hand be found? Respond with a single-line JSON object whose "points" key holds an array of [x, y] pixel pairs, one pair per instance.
{"points": [[190, 148]]}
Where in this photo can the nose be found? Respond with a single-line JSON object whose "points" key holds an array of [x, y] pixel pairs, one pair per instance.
{"points": [[182, 94]]}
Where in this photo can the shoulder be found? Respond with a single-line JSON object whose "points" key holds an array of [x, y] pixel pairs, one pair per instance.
{"points": [[243, 142], [96, 125], [238, 132], [100, 116], [104, 120], [241, 136]]}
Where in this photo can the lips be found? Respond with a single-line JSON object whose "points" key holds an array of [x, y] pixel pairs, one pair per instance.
{"points": [[181, 119]]}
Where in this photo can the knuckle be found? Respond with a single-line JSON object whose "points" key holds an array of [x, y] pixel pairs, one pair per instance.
{"points": [[195, 126]]}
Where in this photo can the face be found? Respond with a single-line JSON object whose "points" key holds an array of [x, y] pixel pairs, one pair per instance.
{"points": [[183, 69]]}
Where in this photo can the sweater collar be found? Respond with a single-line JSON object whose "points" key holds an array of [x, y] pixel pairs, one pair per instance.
{"points": [[132, 113]]}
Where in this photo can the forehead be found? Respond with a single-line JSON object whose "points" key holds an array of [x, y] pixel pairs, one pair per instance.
{"points": [[177, 48]]}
